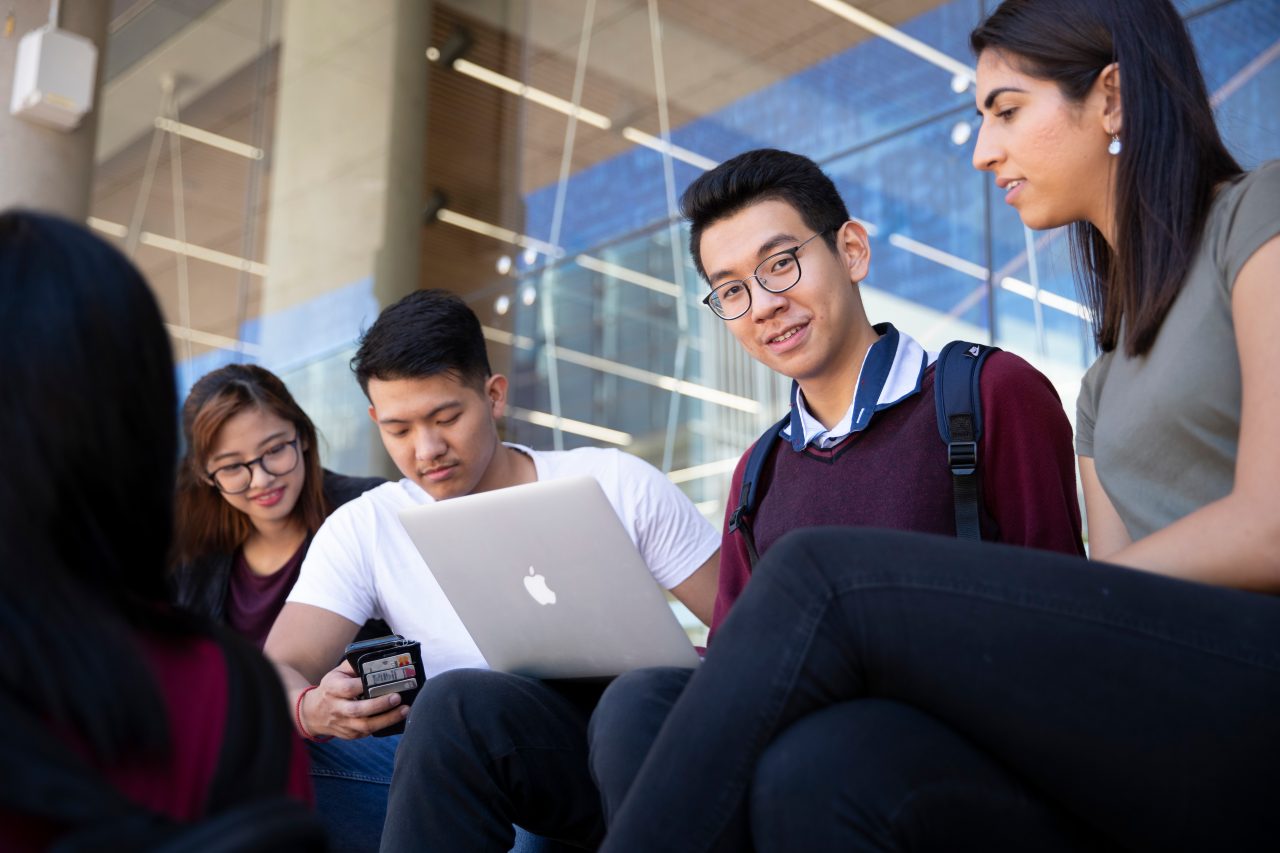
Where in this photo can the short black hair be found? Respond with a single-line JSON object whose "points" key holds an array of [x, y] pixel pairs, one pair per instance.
{"points": [[426, 333], [762, 175]]}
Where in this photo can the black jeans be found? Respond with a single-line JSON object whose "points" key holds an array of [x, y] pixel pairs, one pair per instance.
{"points": [[1142, 708], [485, 750], [867, 774], [625, 725]]}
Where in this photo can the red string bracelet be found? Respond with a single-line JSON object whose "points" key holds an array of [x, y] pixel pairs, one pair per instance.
{"points": [[297, 715]]}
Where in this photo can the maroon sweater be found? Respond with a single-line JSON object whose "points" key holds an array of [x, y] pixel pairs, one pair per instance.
{"points": [[192, 675], [894, 475]]}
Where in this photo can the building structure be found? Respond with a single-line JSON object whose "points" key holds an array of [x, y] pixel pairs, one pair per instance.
{"points": [[282, 168]]}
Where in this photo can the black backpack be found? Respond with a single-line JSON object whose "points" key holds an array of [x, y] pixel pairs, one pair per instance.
{"points": [[959, 404], [246, 811]]}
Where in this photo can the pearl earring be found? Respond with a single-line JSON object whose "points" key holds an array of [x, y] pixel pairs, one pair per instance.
{"points": [[1114, 148]]}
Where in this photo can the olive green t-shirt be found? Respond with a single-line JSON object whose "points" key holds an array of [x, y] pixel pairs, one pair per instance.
{"points": [[1163, 428]]}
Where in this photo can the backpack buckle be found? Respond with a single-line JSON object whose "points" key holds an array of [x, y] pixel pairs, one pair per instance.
{"points": [[735, 520], [962, 457]]}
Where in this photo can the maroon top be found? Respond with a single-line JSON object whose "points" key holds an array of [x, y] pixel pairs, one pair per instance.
{"points": [[192, 675], [253, 600], [894, 475]]}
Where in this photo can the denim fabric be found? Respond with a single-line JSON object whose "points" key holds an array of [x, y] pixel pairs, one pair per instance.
{"points": [[1142, 706], [352, 779], [368, 759], [625, 725], [866, 774], [877, 775]]}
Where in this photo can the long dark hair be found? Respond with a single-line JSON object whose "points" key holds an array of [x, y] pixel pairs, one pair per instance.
{"points": [[206, 523], [1172, 159], [87, 450]]}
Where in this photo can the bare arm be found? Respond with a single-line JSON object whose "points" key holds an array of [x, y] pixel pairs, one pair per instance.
{"points": [[1234, 541], [1107, 533], [306, 645], [698, 591]]}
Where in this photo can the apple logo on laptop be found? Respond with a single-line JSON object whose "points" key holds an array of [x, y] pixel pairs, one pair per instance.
{"points": [[537, 587]]}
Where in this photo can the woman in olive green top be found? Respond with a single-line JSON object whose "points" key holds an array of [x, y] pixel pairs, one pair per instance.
{"points": [[885, 691]]}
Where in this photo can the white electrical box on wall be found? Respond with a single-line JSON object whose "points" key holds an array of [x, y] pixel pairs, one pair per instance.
{"points": [[53, 78]]}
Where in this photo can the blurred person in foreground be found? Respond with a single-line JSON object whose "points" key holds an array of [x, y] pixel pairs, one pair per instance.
{"points": [[126, 718]]}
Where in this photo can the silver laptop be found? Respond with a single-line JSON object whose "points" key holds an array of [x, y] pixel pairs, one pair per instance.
{"points": [[547, 581]]}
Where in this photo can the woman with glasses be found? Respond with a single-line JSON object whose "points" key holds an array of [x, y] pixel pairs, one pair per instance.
{"points": [[980, 697], [251, 494]]}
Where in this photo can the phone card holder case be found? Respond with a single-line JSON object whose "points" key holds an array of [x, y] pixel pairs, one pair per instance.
{"points": [[386, 665]]}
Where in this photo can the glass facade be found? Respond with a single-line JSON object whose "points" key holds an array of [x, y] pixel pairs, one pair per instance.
{"points": [[949, 259], [564, 235]]}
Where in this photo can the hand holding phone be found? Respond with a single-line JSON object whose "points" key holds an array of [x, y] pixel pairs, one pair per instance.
{"points": [[386, 665]]}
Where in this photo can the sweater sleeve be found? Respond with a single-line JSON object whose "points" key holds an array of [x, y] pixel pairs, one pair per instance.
{"points": [[735, 564], [1028, 469]]}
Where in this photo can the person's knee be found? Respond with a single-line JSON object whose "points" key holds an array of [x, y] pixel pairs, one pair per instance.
{"points": [[876, 773], [625, 724], [842, 773], [823, 557], [807, 558], [635, 696], [449, 692], [461, 704], [802, 765]]}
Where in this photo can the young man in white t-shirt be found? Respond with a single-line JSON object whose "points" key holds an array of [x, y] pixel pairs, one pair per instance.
{"points": [[484, 750]]}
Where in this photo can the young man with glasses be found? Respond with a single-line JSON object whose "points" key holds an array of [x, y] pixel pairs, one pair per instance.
{"points": [[482, 750], [784, 261]]}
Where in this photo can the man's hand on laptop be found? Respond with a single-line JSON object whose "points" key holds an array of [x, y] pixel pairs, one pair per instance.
{"points": [[335, 708]]}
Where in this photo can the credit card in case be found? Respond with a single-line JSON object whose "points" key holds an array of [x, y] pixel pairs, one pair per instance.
{"points": [[386, 665]]}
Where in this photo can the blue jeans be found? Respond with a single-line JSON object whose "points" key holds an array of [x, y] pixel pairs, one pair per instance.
{"points": [[1142, 708], [352, 780]]}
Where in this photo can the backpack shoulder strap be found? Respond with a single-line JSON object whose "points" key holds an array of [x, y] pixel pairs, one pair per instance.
{"points": [[958, 400], [749, 494]]}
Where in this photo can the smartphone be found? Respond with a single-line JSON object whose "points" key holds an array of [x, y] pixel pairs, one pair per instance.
{"points": [[385, 665]]}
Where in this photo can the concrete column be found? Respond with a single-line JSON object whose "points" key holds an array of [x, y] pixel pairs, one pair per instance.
{"points": [[345, 225], [41, 167], [346, 194]]}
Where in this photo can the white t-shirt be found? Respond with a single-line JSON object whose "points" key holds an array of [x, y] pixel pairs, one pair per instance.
{"points": [[362, 564]]}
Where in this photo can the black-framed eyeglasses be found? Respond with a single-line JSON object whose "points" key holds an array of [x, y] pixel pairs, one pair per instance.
{"points": [[777, 273], [280, 459]]}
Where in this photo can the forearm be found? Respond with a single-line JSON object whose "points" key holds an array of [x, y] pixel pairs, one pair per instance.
{"points": [[293, 680], [1231, 542], [294, 683], [306, 645]]}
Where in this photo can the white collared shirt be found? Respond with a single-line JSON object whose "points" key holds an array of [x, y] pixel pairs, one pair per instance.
{"points": [[891, 372]]}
